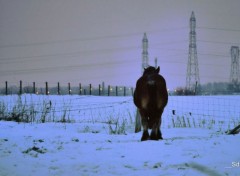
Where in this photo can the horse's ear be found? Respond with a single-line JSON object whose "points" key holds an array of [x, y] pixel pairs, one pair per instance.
{"points": [[145, 68], [158, 69]]}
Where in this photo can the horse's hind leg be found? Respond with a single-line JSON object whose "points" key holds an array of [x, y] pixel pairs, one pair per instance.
{"points": [[144, 118], [159, 128], [156, 133]]}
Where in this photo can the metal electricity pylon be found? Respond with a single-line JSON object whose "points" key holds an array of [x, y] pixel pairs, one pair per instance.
{"points": [[192, 79], [234, 75], [144, 52]]}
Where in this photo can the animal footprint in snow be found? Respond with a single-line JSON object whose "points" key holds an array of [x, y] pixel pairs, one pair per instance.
{"points": [[75, 139], [157, 165], [39, 140]]}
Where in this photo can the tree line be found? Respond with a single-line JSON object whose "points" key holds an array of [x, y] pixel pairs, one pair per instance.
{"points": [[215, 88]]}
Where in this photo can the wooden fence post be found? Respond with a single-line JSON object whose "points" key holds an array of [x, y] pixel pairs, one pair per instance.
{"points": [[80, 89], [6, 90], [99, 89], [124, 91], [34, 88], [20, 89], [58, 88], [47, 92], [116, 90], [90, 89], [103, 88], [69, 88], [109, 87]]}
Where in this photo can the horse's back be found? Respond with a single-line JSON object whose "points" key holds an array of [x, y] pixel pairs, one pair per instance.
{"points": [[151, 92]]}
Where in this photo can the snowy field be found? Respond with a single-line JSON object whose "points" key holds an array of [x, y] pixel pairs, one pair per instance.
{"points": [[89, 135]]}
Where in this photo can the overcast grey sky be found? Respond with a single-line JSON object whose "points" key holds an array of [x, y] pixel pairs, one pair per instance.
{"points": [[91, 41]]}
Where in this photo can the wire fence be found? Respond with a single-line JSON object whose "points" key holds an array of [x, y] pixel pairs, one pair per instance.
{"points": [[212, 112], [203, 111]]}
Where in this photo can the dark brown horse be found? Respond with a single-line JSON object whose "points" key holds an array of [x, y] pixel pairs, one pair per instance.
{"points": [[151, 97]]}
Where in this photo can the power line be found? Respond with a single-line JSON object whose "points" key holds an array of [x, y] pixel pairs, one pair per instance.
{"points": [[99, 64], [219, 42], [89, 38], [89, 52], [61, 68], [67, 41], [109, 37], [219, 29], [69, 54], [184, 54]]}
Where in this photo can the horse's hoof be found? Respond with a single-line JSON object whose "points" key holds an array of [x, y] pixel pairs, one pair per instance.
{"points": [[145, 136], [156, 137], [144, 139]]}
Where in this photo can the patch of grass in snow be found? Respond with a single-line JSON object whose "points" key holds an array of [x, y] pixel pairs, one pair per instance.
{"points": [[28, 112], [33, 151], [201, 122], [23, 112], [117, 125], [19, 112]]}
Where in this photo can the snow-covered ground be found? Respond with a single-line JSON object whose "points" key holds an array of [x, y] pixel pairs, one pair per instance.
{"points": [[87, 145]]}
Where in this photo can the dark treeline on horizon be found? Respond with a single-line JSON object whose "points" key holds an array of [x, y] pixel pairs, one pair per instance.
{"points": [[215, 88]]}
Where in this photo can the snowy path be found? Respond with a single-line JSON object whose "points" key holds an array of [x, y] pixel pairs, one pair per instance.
{"points": [[75, 149]]}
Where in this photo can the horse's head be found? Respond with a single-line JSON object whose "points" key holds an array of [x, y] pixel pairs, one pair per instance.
{"points": [[151, 70]]}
